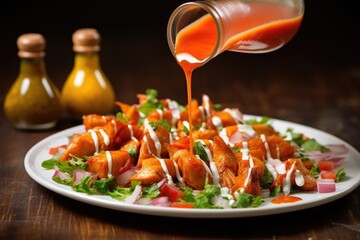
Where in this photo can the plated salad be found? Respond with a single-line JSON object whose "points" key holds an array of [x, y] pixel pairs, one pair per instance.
{"points": [[142, 155]]}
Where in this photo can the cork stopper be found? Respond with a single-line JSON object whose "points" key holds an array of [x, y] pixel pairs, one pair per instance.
{"points": [[31, 45], [86, 40]]}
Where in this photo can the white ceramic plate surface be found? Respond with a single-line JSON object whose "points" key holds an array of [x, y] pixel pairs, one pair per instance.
{"points": [[39, 152]]}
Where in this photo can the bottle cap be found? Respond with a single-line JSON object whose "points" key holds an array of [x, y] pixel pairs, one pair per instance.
{"points": [[86, 40], [31, 45]]}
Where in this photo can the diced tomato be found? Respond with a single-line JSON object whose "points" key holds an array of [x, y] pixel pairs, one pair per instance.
{"points": [[328, 175], [172, 192], [325, 166], [182, 205], [54, 150]]}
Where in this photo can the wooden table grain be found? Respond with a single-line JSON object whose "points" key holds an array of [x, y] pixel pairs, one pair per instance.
{"points": [[314, 80]]}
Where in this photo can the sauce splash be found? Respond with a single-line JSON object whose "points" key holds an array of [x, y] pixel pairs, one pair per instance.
{"points": [[285, 199], [253, 27]]}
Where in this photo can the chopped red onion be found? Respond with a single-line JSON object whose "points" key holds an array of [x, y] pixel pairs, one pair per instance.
{"points": [[134, 196], [161, 201], [123, 178], [326, 185], [80, 174], [338, 148], [61, 175]]}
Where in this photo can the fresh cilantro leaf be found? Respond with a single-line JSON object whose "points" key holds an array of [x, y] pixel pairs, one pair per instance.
{"points": [[77, 163], [275, 191], [298, 138], [103, 186], [122, 118], [203, 198], [151, 191], [84, 186], [49, 164], [133, 152], [262, 120], [266, 180], [120, 193], [199, 148], [340, 174], [162, 123], [151, 104], [217, 106], [244, 200], [67, 182], [313, 145], [315, 171]]}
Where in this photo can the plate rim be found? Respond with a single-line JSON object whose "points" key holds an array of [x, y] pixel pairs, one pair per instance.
{"points": [[108, 202]]}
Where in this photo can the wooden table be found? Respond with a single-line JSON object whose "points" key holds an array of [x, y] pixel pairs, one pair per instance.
{"points": [[314, 80]]}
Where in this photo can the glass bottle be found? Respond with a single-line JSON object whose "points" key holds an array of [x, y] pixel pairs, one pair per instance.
{"points": [[87, 90], [199, 31], [33, 101]]}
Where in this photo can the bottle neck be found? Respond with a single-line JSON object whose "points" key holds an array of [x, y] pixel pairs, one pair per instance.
{"points": [[33, 66], [87, 60]]}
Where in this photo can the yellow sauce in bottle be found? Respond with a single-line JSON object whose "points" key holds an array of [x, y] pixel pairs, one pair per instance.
{"points": [[33, 101], [87, 90]]}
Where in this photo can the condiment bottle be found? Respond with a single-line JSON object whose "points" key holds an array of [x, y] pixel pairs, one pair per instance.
{"points": [[87, 90], [199, 31], [33, 101]]}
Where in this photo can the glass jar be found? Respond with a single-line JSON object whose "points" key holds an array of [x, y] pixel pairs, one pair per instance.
{"points": [[199, 31]]}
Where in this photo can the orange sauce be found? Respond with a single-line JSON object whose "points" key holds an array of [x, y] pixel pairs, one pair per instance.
{"points": [[256, 27], [285, 199]]}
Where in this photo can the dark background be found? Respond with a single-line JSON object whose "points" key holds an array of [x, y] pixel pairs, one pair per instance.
{"points": [[313, 80], [135, 56]]}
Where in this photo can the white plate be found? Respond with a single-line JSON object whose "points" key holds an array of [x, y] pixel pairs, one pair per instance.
{"points": [[39, 152]]}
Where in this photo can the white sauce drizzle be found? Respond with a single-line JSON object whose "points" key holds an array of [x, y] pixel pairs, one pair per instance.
{"points": [[132, 133], [299, 178], [235, 114], [175, 111], [286, 182], [246, 129], [186, 124], [245, 151], [103, 118], [178, 176], [215, 173], [115, 125], [166, 170], [224, 136], [217, 122], [251, 163], [155, 139], [225, 193], [161, 113], [203, 114], [109, 160], [276, 163], [206, 103], [95, 140], [171, 140], [105, 137]]}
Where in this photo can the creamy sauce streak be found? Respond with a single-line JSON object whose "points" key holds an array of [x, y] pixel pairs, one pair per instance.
{"points": [[154, 138], [95, 140], [132, 133], [214, 171], [166, 170], [109, 161], [105, 137]]}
